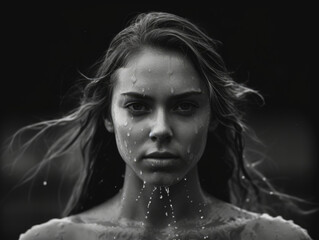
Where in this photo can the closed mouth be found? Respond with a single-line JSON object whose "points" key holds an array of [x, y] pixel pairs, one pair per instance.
{"points": [[161, 155]]}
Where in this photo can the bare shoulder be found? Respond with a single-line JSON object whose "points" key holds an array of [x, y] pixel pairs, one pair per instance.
{"points": [[267, 227], [66, 228]]}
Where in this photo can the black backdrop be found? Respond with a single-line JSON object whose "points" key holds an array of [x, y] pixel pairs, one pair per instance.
{"points": [[271, 47]]}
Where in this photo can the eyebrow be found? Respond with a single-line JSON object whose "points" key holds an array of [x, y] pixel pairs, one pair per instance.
{"points": [[175, 96]]}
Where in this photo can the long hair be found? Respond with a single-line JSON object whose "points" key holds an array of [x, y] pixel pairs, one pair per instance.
{"points": [[224, 172]]}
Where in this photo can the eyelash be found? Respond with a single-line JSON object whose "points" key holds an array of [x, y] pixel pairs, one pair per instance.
{"points": [[146, 109]]}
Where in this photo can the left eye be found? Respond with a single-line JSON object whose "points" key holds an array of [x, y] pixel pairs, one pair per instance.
{"points": [[185, 107]]}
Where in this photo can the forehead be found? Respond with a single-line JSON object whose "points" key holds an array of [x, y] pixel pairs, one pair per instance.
{"points": [[160, 72]]}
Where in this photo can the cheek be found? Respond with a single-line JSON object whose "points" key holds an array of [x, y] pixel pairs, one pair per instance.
{"points": [[129, 137], [194, 136]]}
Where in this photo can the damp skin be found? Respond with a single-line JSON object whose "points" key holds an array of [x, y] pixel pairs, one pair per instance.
{"points": [[159, 104]]}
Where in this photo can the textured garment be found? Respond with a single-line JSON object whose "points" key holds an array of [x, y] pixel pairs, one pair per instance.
{"points": [[261, 227]]}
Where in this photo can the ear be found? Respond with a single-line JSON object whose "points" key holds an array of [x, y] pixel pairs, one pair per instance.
{"points": [[212, 125], [108, 123]]}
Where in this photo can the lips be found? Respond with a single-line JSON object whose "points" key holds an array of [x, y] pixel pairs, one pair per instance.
{"points": [[161, 155], [162, 160]]}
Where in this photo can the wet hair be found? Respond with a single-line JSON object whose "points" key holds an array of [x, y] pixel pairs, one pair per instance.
{"points": [[224, 171]]}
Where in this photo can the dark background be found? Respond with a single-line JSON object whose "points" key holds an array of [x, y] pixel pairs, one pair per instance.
{"points": [[271, 48]]}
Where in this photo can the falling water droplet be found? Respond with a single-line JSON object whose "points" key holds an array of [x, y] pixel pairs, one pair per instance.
{"points": [[271, 193], [185, 179], [205, 237], [128, 134], [201, 217], [243, 177], [45, 183], [166, 213], [189, 149], [143, 90], [134, 142], [264, 179], [141, 172]]}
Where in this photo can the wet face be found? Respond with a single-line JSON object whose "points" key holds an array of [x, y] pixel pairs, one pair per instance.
{"points": [[160, 116]]}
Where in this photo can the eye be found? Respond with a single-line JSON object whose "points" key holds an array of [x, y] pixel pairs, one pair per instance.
{"points": [[185, 108], [138, 108]]}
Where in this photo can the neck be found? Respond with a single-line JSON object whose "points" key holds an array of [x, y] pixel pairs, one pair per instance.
{"points": [[161, 206]]}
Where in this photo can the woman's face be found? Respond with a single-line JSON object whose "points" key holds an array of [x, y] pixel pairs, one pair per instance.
{"points": [[160, 116]]}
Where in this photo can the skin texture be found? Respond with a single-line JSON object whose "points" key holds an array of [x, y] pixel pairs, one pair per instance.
{"points": [[159, 120], [159, 104]]}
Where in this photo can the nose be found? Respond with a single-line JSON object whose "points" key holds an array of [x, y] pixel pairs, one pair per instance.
{"points": [[161, 129]]}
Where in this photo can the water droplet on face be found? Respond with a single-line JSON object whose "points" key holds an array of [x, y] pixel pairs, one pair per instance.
{"points": [[125, 124], [271, 193], [134, 142], [134, 79], [45, 183], [205, 237], [201, 217], [264, 179], [166, 213], [243, 177], [128, 134], [141, 172], [143, 90], [172, 90], [134, 160], [125, 143], [130, 151], [142, 129]]}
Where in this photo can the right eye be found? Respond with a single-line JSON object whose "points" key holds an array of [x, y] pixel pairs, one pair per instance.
{"points": [[138, 108]]}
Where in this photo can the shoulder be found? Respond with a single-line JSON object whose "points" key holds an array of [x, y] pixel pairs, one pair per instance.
{"points": [[266, 227], [43, 231], [65, 228]]}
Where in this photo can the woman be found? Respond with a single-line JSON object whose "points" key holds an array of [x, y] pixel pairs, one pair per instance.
{"points": [[163, 111]]}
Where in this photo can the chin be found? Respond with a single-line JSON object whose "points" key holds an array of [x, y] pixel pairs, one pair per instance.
{"points": [[160, 179]]}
